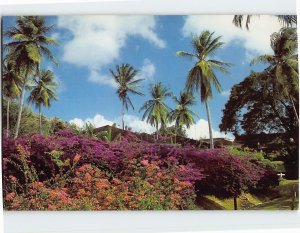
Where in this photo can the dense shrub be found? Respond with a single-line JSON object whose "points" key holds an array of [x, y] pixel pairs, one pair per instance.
{"points": [[50, 161], [142, 185]]}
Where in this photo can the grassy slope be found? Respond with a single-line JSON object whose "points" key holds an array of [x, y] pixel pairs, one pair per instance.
{"points": [[278, 198]]}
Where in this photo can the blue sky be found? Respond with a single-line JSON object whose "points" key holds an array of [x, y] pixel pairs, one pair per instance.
{"points": [[91, 45]]}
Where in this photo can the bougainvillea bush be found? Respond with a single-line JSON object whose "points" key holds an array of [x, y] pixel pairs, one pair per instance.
{"points": [[69, 172]]}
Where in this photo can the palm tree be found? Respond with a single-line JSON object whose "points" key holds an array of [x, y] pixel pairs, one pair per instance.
{"points": [[11, 82], [202, 74], [27, 46], [126, 83], [282, 70], [182, 115], [285, 20], [42, 92], [156, 111]]}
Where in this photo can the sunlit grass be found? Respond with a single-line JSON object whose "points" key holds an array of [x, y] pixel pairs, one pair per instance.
{"points": [[282, 197]]}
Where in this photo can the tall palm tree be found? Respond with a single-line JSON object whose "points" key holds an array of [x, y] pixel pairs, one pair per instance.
{"points": [[42, 92], [126, 83], [285, 20], [156, 111], [282, 69], [203, 73], [11, 82], [182, 115], [27, 46]]}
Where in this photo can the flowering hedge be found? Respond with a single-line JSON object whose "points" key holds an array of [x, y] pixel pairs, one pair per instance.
{"points": [[70, 172]]}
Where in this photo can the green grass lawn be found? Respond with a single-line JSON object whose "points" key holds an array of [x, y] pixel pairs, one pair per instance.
{"points": [[281, 197], [287, 198]]}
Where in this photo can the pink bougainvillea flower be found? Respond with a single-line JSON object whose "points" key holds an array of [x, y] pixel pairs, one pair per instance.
{"points": [[10, 196], [145, 162]]}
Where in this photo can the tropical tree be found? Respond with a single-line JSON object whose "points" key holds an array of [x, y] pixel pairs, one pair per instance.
{"points": [[285, 20], [155, 110], [28, 43], [255, 111], [182, 115], [203, 72], [42, 92], [282, 70], [126, 83], [11, 82]]}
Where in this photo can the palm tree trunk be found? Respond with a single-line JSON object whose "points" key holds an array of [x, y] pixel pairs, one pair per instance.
{"points": [[294, 108], [7, 118], [211, 139], [21, 104], [40, 119], [157, 132], [123, 124]]}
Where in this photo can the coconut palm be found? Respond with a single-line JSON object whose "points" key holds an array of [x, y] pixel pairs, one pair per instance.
{"points": [[42, 92], [203, 72], [126, 83], [155, 109], [11, 86], [282, 70], [27, 46], [285, 20], [182, 115]]}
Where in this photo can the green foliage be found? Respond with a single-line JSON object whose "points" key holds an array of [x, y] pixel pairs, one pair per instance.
{"points": [[202, 74], [182, 115], [155, 109], [285, 20], [65, 167], [43, 89], [57, 125], [11, 80], [267, 101], [79, 131], [27, 46], [106, 135], [172, 130], [254, 156], [22, 163], [126, 83], [30, 120]]}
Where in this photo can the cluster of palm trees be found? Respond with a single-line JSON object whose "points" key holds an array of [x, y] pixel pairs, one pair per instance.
{"points": [[28, 45], [199, 80]]}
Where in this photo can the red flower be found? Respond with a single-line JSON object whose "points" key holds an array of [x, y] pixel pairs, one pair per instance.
{"points": [[10, 196], [145, 162], [15, 204], [77, 158], [88, 177], [116, 181], [12, 178]]}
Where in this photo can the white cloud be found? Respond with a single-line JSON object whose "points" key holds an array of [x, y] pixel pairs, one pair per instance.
{"points": [[97, 40], [148, 70], [77, 121], [256, 40], [98, 121], [131, 121], [137, 125], [98, 77], [196, 131], [200, 131], [55, 36], [225, 93]]}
